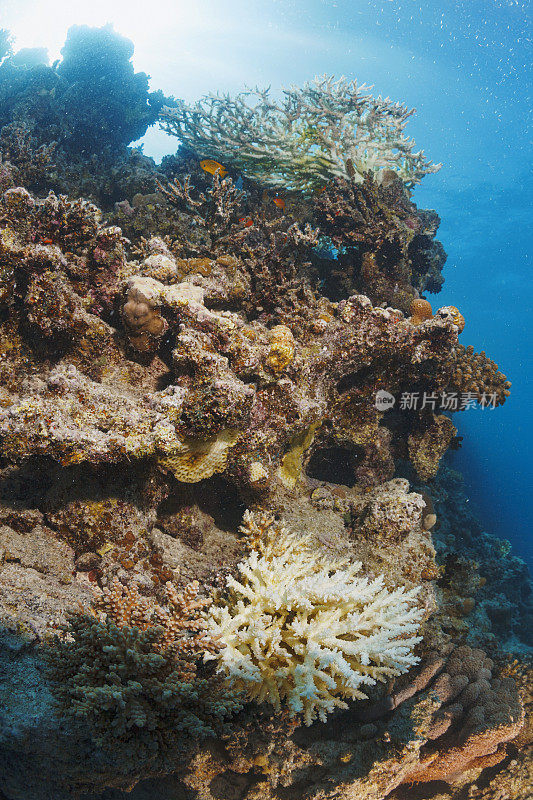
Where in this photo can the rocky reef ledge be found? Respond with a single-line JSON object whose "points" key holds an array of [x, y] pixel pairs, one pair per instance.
{"points": [[234, 563]]}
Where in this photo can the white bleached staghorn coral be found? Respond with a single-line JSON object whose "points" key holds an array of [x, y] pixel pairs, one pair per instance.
{"points": [[327, 128], [301, 629]]}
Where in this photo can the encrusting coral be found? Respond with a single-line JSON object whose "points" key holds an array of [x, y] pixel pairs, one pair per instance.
{"points": [[478, 714], [301, 630], [472, 714]]}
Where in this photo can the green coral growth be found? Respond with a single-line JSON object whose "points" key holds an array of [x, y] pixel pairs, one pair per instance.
{"points": [[130, 690]]}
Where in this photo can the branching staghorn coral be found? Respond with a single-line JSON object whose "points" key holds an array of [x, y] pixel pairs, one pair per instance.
{"points": [[214, 209], [476, 373], [301, 629], [327, 128], [131, 673], [184, 630]]}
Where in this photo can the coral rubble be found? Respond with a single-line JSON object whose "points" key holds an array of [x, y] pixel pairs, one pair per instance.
{"points": [[193, 363]]}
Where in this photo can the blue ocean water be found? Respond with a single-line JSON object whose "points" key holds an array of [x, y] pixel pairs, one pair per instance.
{"points": [[465, 66]]}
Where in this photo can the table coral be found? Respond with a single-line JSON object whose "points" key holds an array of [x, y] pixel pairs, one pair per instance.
{"points": [[324, 129], [194, 460]]}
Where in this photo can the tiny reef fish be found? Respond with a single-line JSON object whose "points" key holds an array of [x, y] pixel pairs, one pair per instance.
{"points": [[246, 221], [213, 167], [279, 202]]}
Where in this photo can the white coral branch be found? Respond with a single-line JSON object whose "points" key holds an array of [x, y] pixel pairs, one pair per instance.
{"points": [[303, 140], [300, 629]]}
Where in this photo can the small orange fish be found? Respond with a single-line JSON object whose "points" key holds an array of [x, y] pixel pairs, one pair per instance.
{"points": [[46, 241], [213, 167], [279, 202], [246, 221]]}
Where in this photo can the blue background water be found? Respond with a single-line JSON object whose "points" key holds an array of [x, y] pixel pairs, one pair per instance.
{"points": [[465, 66]]}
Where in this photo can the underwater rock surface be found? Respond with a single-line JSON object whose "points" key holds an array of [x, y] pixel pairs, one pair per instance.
{"points": [[233, 561]]}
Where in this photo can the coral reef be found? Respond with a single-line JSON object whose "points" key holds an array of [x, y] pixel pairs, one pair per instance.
{"points": [[90, 100], [322, 130], [300, 629], [377, 752], [384, 246], [486, 592], [470, 732], [65, 278], [5, 43], [67, 126], [179, 343]]}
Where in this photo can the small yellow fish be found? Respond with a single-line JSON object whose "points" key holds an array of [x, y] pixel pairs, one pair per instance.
{"points": [[105, 548], [213, 167]]}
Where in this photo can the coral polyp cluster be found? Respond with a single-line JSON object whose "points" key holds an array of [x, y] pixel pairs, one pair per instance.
{"points": [[131, 674]]}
